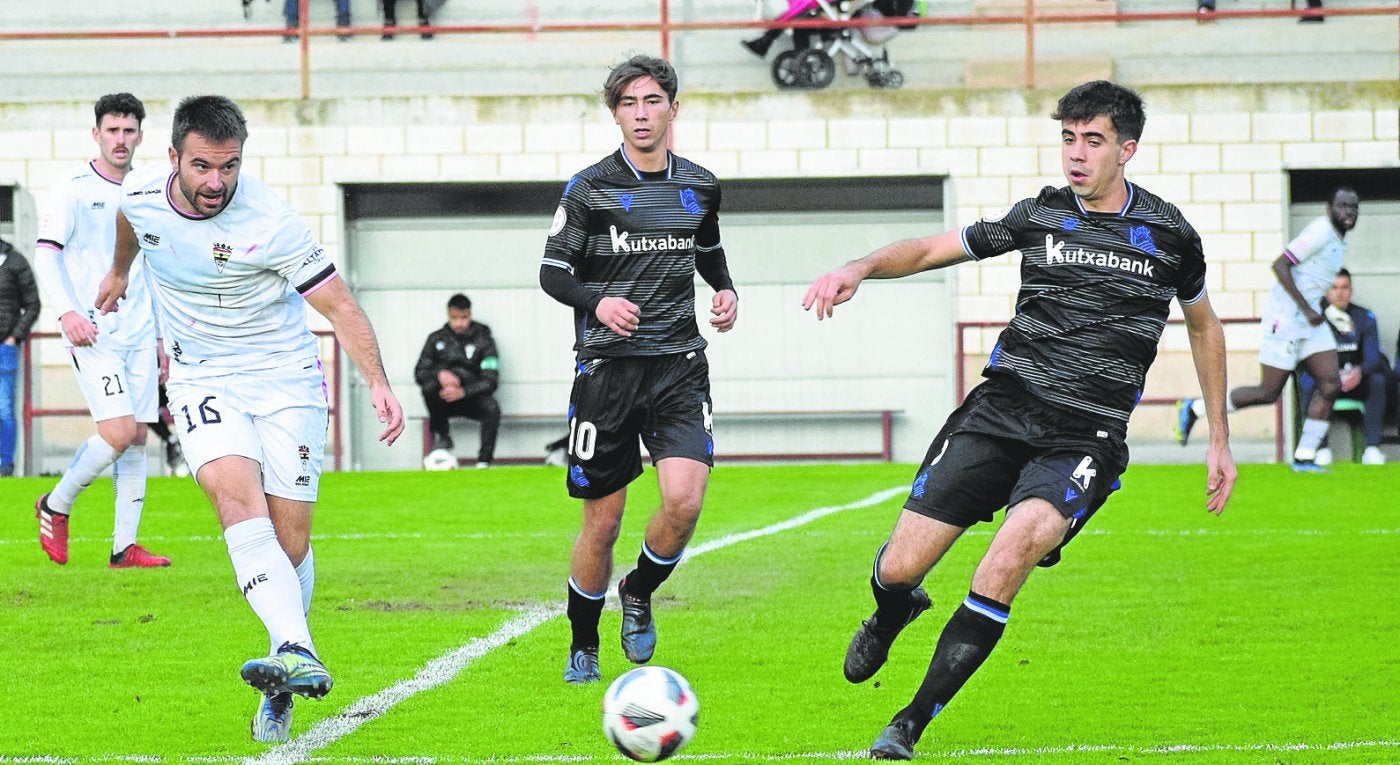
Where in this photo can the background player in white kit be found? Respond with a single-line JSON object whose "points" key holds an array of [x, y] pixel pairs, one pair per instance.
{"points": [[233, 267], [1295, 332], [113, 356]]}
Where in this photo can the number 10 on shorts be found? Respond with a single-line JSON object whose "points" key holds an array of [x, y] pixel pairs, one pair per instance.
{"points": [[583, 436]]}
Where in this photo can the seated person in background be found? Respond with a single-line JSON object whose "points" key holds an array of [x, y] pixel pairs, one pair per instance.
{"points": [[1364, 369], [458, 373]]}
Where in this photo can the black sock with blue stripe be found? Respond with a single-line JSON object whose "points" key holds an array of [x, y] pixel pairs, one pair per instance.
{"points": [[584, 612], [965, 643], [651, 571]]}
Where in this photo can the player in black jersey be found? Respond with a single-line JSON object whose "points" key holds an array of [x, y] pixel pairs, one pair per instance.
{"points": [[1044, 435], [626, 242]]}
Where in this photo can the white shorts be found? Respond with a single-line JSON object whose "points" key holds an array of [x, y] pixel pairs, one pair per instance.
{"points": [[118, 383], [277, 417], [1282, 351]]}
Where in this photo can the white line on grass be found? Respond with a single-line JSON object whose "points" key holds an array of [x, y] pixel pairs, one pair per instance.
{"points": [[445, 668], [564, 759]]}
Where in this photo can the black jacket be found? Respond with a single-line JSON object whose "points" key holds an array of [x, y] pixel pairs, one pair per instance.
{"points": [[470, 356], [19, 296]]}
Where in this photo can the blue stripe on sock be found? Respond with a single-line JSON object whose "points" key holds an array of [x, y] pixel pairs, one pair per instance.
{"points": [[591, 596], [991, 613], [647, 551]]}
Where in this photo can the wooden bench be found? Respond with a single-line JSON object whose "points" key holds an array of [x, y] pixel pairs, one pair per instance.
{"points": [[884, 418]]}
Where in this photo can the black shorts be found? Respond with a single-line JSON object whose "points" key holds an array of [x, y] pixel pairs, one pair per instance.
{"points": [[664, 400], [1002, 446]]}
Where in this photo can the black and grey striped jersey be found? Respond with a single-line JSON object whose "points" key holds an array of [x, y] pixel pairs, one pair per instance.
{"points": [[1096, 289], [625, 233]]}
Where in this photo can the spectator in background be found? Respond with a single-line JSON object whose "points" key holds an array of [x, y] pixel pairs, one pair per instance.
{"points": [[458, 372], [19, 307], [391, 22], [1364, 369], [292, 11]]}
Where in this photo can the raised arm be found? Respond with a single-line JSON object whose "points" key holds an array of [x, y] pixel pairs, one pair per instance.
{"points": [[352, 328], [902, 258], [1207, 338]]}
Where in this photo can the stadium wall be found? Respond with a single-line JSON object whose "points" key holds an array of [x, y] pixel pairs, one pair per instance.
{"points": [[1224, 154]]}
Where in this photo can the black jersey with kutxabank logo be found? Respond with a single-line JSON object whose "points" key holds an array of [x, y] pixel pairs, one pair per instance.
{"points": [[1096, 289], [630, 234]]}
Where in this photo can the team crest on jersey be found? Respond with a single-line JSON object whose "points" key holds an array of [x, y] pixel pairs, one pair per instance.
{"points": [[304, 453], [626, 201], [1141, 237], [996, 216], [151, 239], [222, 253], [560, 218], [689, 202]]}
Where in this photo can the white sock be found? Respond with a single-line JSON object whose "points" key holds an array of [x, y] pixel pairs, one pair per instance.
{"points": [[1198, 406], [268, 581], [129, 483], [306, 574], [93, 456], [1313, 433]]}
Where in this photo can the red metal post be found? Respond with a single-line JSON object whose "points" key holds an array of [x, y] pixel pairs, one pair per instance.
{"points": [[666, 29]]}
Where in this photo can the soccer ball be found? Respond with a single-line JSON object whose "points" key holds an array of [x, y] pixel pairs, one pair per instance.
{"points": [[439, 459], [649, 713]]}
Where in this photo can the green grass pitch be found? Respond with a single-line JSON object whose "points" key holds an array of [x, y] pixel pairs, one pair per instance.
{"points": [[1268, 635]]}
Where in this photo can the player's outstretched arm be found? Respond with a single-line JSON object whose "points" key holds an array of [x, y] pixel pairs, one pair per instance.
{"points": [[902, 258], [113, 286], [353, 330], [1207, 338]]}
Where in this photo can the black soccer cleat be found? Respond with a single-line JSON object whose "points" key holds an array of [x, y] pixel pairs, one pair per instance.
{"points": [[638, 627], [870, 646], [897, 740], [1185, 420]]}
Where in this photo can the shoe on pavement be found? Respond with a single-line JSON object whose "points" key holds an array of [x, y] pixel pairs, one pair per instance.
{"points": [[1307, 466], [870, 646], [897, 740], [583, 667], [136, 556], [1324, 456], [1185, 420], [1373, 456], [273, 720], [638, 627], [53, 531], [293, 669]]}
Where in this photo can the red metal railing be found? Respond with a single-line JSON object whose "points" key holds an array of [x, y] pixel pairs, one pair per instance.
{"points": [[330, 348], [664, 26], [960, 372]]}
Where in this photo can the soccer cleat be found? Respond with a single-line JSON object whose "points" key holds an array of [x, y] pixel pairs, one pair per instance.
{"points": [[1324, 456], [897, 740], [53, 531], [1373, 456], [291, 670], [638, 627], [870, 646], [1307, 466], [136, 556], [1304, 455], [273, 720], [1185, 420], [583, 667]]}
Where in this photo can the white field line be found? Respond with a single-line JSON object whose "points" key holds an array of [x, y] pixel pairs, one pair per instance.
{"points": [[444, 668], [1033, 754]]}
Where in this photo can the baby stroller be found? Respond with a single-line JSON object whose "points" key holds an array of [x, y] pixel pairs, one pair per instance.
{"points": [[811, 62]]}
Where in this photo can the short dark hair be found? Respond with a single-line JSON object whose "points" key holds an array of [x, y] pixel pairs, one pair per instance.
{"points": [[460, 302], [1343, 272], [622, 75], [216, 118], [121, 105], [1121, 105], [1340, 190]]}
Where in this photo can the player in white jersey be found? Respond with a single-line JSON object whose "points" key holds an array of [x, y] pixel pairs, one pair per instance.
{"points": [[1294, 331], [233, 268], [113, 356]]}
